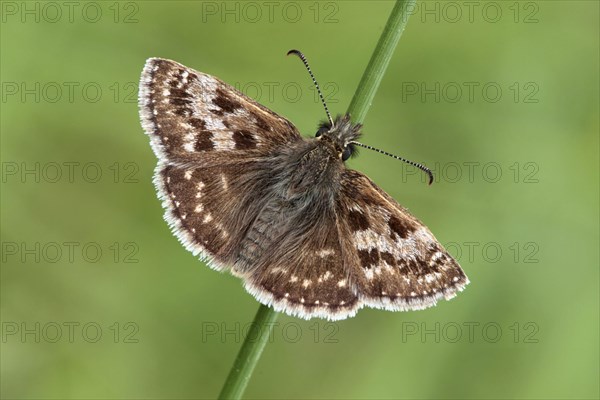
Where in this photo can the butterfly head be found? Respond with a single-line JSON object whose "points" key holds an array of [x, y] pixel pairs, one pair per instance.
{"points": [[341, 135]]}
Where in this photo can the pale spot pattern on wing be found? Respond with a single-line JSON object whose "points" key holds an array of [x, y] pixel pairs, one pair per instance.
{"points": [[199, 187], [224, 182], [325, 253], [223, 140]]}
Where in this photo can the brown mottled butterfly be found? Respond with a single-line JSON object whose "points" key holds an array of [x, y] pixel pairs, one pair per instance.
{"points": [[247, 193]]}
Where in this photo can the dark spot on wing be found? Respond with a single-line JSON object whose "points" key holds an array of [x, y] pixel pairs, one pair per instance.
{"points": [[357, 220], [197, 123], [401, 227], [244, 140], [180, 94], [369, 259], [388, 258], [204, 141], [261, 123], [183, 111], [225, 102], [418, 266], [179, 101]]}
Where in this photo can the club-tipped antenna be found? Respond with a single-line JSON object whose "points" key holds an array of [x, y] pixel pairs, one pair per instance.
{"points": [[303, 58], [414, 164]]}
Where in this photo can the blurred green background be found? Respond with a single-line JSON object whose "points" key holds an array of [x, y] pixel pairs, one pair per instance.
{"points": [[99, 300]]}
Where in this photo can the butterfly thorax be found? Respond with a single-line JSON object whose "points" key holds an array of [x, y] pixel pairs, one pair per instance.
{"points": [[313, 176], [314, 173]]}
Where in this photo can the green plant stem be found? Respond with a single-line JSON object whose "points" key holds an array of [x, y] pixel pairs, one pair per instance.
{"points": [[246, 360], [261, 327], [380, 59]]}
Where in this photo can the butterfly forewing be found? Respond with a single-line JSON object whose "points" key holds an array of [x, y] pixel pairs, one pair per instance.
{"points": [[194, 116], [211, 141], [396, 261]]}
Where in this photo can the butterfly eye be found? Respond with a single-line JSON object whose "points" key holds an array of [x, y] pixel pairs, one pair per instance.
{"points": [[321, 131], [347, 153]]}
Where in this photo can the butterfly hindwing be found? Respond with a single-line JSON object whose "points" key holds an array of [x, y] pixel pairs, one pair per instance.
{"points": [[204, 213], [302, 272]]}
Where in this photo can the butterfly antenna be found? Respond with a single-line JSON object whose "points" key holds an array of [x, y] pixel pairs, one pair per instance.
{"points": [[415, 164], [299, 54]]}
